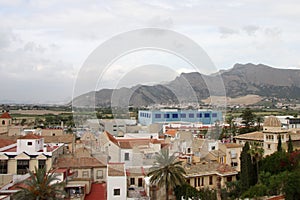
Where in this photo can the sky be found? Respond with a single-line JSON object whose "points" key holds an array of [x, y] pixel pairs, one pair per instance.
{"points": [[44, 44]]}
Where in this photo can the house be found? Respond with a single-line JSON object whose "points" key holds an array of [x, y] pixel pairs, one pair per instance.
{"points": [[116, 181], [268, 138], [232, 154], [67, 139], [87, 168], [110, 147], [136, 182], [139, 152], [116, 127], [206, 175], [89, 140], [52, 132], [28, 152]]}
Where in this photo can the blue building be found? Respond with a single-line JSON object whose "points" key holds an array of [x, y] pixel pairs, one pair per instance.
{"points": [[147, 117]]}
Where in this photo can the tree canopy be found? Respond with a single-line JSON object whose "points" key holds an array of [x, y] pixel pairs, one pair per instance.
{"points": [[167, 171], [41, 185]]}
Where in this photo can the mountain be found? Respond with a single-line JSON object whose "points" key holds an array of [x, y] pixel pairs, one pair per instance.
{"points": [[241, 80]]}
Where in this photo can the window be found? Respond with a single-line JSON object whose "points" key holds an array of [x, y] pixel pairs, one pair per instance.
{"points": [[199, 115], [195, 182], [99, 174], [29, 143], [157, 116], [85, 174], [22, 166], [132, 181], [214, 115], [206, 115], [199, 181], [140, 182], [167, 116], [126, 155], [53, 134], [213, 148], [188, 181], [3, 166], [188, 150], [3, 122], [191, 115], [229, 178], [210, 180], [234, 164], [175, 115], [269, 146], [183, 115], [202, 181], [42, 164], [117, 192]]}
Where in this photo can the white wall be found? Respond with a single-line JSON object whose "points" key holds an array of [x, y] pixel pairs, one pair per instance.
{"points": [[127, 162], [23, 145], [116, 182]]}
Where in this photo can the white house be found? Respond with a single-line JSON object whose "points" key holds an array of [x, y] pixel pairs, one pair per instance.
{"points": [[116, 181]]}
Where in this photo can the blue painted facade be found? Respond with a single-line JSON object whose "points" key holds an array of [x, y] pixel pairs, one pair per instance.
{"points": [[147, 117]]}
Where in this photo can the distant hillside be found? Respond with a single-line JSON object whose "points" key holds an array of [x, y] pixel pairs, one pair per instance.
{"points": [[241, 80]]}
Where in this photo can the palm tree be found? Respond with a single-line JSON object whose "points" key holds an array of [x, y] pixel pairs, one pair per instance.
{"points": [[41, 185], [256, 153], [167, 171], [259, 120]]}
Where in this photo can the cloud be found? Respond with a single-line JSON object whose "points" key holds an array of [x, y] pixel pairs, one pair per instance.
{"points": [[225, 31], [251, 29], [48, 41]]}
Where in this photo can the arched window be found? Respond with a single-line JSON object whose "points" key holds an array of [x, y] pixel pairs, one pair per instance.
{"points": [[3, 122]]}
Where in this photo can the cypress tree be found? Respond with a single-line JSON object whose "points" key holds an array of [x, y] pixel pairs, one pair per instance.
{"points": [[247, 168], [290, 145], [279, 146]]}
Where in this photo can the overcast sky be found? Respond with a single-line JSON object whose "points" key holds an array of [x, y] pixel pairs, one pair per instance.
{"points": [[43, 44]]}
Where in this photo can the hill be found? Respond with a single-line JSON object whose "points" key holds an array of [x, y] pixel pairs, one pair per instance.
{"points": [[239, 81]]}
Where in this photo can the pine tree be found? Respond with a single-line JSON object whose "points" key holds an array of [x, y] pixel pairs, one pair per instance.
{"points": [[279, 146], [290, 145], [247, 168]]}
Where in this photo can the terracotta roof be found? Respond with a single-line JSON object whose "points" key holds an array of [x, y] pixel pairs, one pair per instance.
{"points": [[208, 168], [111, 137], [259, 136], [6, 115], [6, 142], [30, 136], [171, 132], [135, 171], [82, 162], [98, 192], [130, 143], [116, 169], [233, 145]]}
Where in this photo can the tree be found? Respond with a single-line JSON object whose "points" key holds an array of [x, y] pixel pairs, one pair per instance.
{"points": [[232, 127], [248, 117], [247, 169], [256, 154], [167, 171], [259, 120], [290, 145], [279, 146], [291, 187], [41, 185]]}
